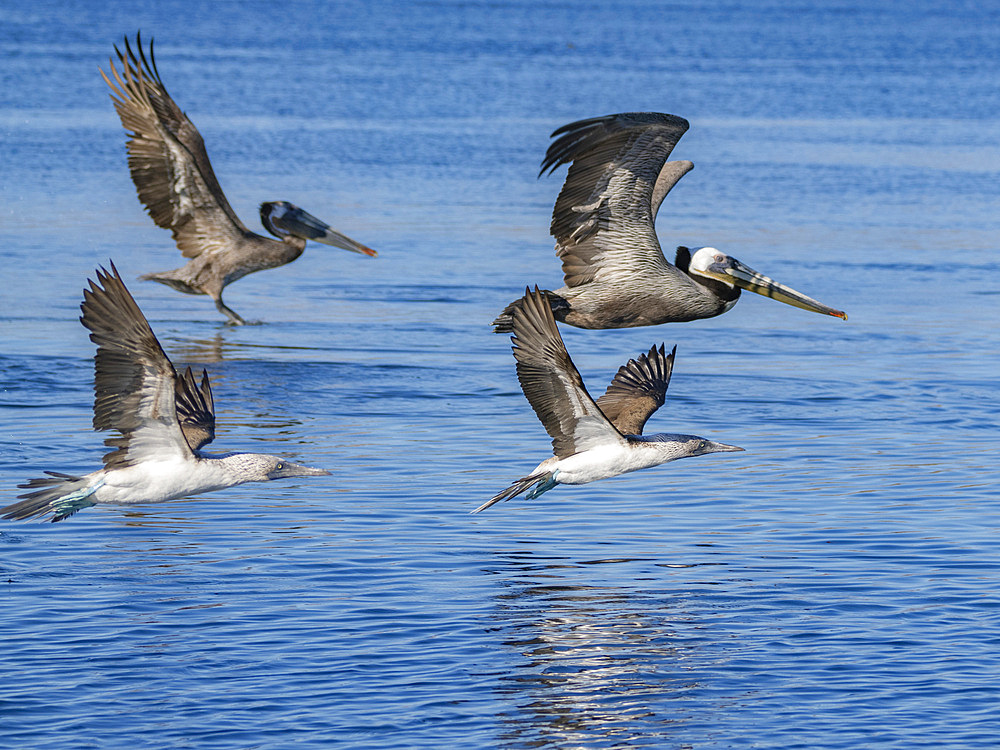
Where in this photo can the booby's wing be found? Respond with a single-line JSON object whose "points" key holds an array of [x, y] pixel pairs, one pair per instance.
{"points": [[638, 390], [167, 158], [195, 408], [552, 384], [134, 381], [603, 219]]}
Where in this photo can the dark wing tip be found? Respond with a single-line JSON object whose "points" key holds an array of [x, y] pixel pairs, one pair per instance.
{"points": [[531, 317], [581, 136], [107, 302], [638, 389], [195, 408], [139, 63]]}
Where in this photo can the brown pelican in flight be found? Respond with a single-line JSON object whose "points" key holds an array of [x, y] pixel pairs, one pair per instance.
{"points": [[614, 270], [591, 440], [176, 183], [162, 418]]}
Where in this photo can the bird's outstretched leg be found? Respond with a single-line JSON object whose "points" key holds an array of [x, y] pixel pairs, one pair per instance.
{"points": [[234, 319]]}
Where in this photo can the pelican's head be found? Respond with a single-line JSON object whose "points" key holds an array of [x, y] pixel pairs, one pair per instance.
{"points": [[709, 263], [284, 219]]}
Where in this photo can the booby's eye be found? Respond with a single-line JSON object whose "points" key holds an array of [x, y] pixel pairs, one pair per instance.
{"points": [[279, 467]]}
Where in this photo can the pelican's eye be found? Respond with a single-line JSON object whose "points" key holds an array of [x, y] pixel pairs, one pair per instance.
{"points": [[719, 258]]}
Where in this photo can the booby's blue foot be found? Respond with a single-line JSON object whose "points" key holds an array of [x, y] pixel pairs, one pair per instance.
{"points": [[67, 505], [543, 486]]}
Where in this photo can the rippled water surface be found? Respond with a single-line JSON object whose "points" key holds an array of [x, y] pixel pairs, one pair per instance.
{"points": [[836, 586]]}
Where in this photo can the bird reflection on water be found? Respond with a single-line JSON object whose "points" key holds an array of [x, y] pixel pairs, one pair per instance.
{"points": [[595, 663]]}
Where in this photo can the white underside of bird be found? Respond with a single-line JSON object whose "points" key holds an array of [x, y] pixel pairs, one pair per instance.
{"points": [[607, 461], [155, 481]]}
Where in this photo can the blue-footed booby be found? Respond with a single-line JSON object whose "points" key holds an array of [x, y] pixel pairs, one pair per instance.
{"points": [[177, 185], [162, 418], [591, 440], [614, 271]]}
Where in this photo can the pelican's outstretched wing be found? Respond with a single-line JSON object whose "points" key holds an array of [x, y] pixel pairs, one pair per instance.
{"points": [[167, 158], [603, 219], [195, 408], [134, 381], [552, 384], [638, 390]]}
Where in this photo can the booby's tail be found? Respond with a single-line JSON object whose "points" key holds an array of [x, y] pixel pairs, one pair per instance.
{"points": [[59, 494], [504, 322], [537, 483]]}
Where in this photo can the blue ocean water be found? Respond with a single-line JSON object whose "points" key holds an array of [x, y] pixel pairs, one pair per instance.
{"points": [[836, 586]]}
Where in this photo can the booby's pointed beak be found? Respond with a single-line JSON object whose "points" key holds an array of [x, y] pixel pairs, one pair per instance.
{"points": [[303, 224], [287, 469], [731, 271], [713, 447]]}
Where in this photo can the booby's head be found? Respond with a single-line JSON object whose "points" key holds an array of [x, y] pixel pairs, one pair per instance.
{"points": [[283, 469], [713, 265], [683, 446], [259, 467], [698, 446], [284, 219]]}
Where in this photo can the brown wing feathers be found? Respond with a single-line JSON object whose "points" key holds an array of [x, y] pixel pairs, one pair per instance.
{"points": [[144, 107], [638, 390], [166, 155], [633, 146], [127, 354], [195, 408], [550, 380]]}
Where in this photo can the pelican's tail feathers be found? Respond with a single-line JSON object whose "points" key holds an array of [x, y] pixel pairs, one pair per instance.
{"points": [[537, 483], [62, 495], [504, 322], [173, 279]]}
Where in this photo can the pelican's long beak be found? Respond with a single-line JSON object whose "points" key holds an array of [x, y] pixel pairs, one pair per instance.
{"points": [[308, 227], [732, 271], [287, 469]]}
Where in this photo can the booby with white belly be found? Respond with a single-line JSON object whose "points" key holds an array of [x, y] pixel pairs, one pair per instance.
{"points": [[162, 418], [591, 440]]}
